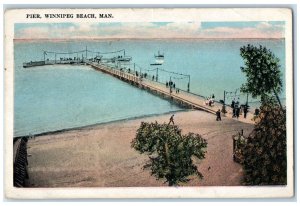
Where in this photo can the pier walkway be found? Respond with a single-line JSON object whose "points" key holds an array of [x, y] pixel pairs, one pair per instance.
{"points": [[182, 98]]}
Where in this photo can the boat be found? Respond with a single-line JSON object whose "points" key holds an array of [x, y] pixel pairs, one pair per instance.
{"points": [[156, 64], [33, 64], [159, 56], [159, 59], [123, 58]]}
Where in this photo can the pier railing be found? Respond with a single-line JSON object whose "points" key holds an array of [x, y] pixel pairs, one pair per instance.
{"points": [[184, 98]]}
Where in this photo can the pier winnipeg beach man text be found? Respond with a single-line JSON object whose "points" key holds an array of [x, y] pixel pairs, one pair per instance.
{"points": [[69, 16], [151, 103]]}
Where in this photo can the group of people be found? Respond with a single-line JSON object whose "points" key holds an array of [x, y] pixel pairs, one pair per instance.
{"points": [[210, 100], [237, 109], [170, 84], [154, 78], [68, 59], [143, 75]]}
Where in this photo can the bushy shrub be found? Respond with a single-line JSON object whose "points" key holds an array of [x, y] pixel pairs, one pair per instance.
{"points": [[265, 160], [169, 151]]}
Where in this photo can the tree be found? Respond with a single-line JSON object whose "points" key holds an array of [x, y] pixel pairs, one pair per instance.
{"points": [[169, 151], [264, 152], [262, 71], [265, 161]]}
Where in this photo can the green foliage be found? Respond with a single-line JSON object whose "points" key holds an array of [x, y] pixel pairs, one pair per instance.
{"points": [[264, 153], [262, 71], [265, 161], [239, 144], [169, 151]]}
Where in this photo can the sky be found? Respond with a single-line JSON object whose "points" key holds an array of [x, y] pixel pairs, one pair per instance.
{"points": [[273, 29]]}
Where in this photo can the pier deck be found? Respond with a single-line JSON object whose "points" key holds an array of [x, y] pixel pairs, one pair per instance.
{"points": [[183, 98]]}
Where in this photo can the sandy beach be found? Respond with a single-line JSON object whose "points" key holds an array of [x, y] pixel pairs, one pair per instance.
{"points": [[101, 156]]}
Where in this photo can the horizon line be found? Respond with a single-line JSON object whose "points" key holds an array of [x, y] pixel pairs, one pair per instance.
{"points": [[134, 38]]}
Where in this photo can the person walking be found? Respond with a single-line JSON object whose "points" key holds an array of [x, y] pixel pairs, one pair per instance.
{"points": [[245, 111], [171, 119], [232, 104], [238, 112], [218, 114], [256, 113], [233, 112]]}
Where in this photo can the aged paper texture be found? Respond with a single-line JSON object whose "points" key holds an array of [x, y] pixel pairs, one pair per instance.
{"points": [[148, 103]]}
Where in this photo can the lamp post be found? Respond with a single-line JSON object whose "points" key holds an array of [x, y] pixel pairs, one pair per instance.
{"points": [[140, 72], [85, 53], [45, 57], [170, 85], [188, 86]]}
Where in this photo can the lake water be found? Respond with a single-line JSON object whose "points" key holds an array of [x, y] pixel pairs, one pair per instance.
{"points": [[50, 98]]}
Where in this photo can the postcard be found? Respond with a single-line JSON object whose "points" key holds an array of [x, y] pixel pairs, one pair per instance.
{"points": [[149, 103]]}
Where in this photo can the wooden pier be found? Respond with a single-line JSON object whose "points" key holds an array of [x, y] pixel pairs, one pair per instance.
{"points": [[182, 98]]}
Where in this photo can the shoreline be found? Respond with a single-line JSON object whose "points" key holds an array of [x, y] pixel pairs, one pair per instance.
{"points": [[101, 155], [116, 121], [98, 124]]}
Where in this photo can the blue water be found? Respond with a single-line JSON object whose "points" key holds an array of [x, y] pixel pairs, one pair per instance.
{"points": [[50, 98]]}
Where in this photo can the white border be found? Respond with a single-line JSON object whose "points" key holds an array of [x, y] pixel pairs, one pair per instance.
{"points": [[150, 15]]}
